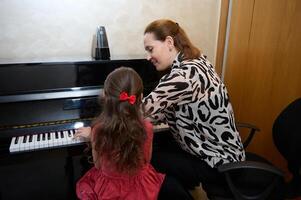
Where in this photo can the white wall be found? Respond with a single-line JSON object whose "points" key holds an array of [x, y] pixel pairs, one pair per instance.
{"points": [[63, 29]]}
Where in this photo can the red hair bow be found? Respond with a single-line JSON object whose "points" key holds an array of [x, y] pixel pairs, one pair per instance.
{"points": [[125, 97]]}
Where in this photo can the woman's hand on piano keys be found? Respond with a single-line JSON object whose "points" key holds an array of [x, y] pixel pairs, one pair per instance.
{"points": [[84, 132]]}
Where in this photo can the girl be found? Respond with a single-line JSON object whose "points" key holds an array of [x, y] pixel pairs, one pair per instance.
{"points": [[121, 144]]}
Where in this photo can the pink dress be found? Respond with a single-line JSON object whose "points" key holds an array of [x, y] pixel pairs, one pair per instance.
{"points": [[105, 184]]}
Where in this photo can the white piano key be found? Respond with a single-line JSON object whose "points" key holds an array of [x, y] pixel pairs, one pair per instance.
{"points": [[60, 134], [51, 141], [21, 144], [42, 143], [31, 142], [65, 140], [14, 146], [26, 143], [56, 139], [70, 136], [62, 138], [39, 139], [46, 140], [35, 143], [18, 143], [26, 147]]}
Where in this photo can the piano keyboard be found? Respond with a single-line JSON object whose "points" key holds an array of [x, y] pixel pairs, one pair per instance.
{"points": [[44, 141], [54, 139]]}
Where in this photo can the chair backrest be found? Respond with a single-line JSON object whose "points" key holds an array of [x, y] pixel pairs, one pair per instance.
{"points": [[287, 135], [254, 179], [287, 138]]}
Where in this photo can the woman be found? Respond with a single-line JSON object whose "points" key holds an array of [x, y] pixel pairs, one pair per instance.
{"points": [[194, 102]]}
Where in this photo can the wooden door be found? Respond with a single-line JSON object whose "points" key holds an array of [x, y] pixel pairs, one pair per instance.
{"points": [[263, 68]]}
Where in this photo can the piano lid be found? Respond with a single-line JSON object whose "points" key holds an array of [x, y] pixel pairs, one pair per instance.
{"points": [[64, 78]]}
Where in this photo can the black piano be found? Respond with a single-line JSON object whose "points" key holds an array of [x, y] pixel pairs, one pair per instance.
{"points": [[40, 106]]}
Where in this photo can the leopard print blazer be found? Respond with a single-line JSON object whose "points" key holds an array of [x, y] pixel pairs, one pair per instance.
{"points": [[194, 102]]}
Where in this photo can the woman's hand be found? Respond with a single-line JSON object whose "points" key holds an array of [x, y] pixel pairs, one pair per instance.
{"points": [[84, 132]]}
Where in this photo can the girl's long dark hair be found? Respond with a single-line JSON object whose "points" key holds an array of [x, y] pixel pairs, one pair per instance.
{"points": [[163, 27], [119, 132]]}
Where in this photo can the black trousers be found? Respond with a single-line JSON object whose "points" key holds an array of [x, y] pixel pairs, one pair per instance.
{"points": [[183, 170]]}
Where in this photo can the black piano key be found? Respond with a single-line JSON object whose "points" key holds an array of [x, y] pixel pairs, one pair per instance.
{"points": [[48, 136], [24, 139], [70, 133], [62, 134], [39, 137], [43, 136], [16, 140], [30, 138], [56, 135]]}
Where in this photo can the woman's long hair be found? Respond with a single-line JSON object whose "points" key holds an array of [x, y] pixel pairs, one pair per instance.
{"points": [[119, 132], [164, 27]]}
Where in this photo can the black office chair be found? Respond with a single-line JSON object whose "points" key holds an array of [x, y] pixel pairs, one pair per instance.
{"points": [[287, 138], [253, 179]]}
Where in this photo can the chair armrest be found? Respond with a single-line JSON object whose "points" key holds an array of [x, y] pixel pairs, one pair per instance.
{"points": [[252, 129], [249, 165], [239, 193]]}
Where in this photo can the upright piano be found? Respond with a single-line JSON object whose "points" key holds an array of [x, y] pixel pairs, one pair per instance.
{"points": [[41, 103]]}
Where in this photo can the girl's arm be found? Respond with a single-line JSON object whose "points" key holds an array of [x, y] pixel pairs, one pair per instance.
{"points": [[86, 132], [150, 151], [148, 147], [94, 155]]}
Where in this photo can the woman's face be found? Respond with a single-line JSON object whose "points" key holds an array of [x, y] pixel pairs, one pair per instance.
{"points": [[160, 53]]}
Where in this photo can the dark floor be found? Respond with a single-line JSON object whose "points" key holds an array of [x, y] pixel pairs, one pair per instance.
{"points": [[48, 174]]}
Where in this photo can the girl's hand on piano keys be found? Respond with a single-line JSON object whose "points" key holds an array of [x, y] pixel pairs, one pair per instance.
{"points": [[84, 132]]}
